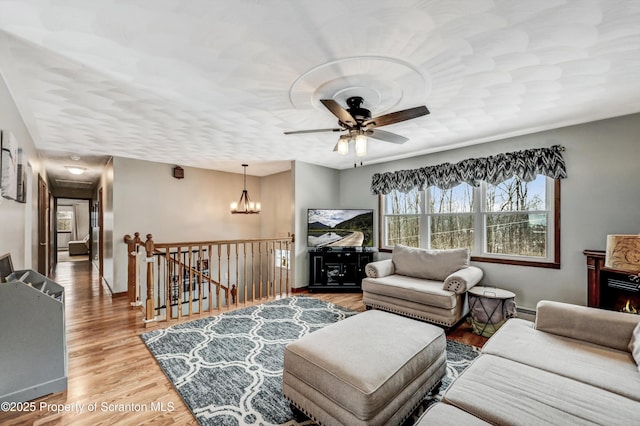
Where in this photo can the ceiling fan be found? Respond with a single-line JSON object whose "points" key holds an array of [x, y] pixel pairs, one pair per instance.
{"points": [[359, 124]]}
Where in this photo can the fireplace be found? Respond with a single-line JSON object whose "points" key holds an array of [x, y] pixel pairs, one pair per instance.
{"points": [[610, 288]]}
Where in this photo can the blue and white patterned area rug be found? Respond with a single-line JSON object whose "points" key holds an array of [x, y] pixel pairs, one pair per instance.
{"points": [[228, 368]]}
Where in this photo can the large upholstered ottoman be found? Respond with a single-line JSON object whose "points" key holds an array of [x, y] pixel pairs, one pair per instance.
{"points": [[373, 368]]}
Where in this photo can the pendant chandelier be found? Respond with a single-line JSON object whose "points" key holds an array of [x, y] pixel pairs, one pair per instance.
{"points": [[245, 205]]}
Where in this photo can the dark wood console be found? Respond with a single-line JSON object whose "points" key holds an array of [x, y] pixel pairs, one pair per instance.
{"points": [[610, 288], [337, 269]]}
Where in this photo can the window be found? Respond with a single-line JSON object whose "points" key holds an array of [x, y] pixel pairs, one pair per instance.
{"points": [[511, 222], [516, 218], [451, 217], [402, 218], [64, 220], [282, 259]]}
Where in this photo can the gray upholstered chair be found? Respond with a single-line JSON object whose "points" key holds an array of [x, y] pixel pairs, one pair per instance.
{"points": [[429, 285], [79, 247]]}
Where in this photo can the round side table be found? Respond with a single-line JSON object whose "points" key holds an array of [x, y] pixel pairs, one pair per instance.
{"points": [[490, 307]]}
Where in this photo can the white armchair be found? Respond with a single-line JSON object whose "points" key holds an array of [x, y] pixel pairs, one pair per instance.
{"points": [[430, 285]]}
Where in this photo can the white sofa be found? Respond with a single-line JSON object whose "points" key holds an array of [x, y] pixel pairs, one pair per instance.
{"points": [[575, 365], [430, 285]]}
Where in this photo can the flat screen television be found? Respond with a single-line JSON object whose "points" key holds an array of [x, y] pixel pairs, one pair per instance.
{"points": [[340, 228]]}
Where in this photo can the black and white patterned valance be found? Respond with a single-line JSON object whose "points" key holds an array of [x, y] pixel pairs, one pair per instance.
{"points": [[494, 169]]}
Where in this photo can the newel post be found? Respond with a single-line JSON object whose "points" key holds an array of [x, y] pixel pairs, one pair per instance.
{"points": [[150, 309], [132, 244]]}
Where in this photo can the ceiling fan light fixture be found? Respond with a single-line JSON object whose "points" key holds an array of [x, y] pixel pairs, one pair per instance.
{"points": [[361, 145], [343, 145]]}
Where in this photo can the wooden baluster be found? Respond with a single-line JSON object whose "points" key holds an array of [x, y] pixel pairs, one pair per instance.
{"points": [[190, 277], [276, 286], [132, 244], [168, 266], [270, 269], [237, 275], [280, 267], [260, 267], [209, 279], [150, 311], [219, 276], [200, 279], [288, 266], [180, 281], [229, 276], [253, 273], [157, 284], [244, 267]]}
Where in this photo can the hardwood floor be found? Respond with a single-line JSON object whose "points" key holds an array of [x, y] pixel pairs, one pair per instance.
{"points": [[110, 368]]}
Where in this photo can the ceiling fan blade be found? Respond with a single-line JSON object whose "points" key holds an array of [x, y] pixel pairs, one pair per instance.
{"points": [[296, 132], [342, 114], [386, 136], [396, 117]]}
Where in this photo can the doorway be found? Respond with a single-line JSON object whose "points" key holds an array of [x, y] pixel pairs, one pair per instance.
{"points": [[43, 226], [72, 230]]}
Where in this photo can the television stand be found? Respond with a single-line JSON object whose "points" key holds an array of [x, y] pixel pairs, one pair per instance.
{"points": [[335, 269]]}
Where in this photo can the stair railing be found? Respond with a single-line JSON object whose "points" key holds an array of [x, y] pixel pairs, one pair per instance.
{"points": [[170, 281]]}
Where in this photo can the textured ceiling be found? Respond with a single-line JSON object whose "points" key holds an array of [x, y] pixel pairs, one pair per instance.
{"points": [[214, 84]]}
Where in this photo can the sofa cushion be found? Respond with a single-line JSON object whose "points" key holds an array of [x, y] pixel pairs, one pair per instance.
{"points": [[598, 326], [428, 264], [380, 268], [600, 366], [501, 391], [634, 345], [463, 279], [417, 290]]}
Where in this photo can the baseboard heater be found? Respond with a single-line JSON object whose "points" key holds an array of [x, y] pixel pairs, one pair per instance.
{"points": [[526, 311]]}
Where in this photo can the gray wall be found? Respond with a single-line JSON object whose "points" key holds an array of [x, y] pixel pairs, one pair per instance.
{"points": [[19, 221], [315, 187], [599, 197], [148, 199], [277, 205]]}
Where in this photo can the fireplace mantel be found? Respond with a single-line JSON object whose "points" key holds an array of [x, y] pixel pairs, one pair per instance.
{"points": [[600, 294], [595, 262]]}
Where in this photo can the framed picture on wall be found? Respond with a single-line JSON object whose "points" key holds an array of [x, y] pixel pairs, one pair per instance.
{"points": [[21, 189], [9, 165]]}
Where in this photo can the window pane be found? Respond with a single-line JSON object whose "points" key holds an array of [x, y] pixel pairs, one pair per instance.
{"points": [[452, 231], [64, 219], [517, 234], [517, 195], [400, 203], [458, 199], [403, 230]]}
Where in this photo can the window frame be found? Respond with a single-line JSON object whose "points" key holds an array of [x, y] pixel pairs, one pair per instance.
{"points": [[553, 245]]}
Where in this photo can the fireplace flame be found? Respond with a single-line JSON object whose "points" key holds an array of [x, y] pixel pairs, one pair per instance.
{"points": [[629, 308]]}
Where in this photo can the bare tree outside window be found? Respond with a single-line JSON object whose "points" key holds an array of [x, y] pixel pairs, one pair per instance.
{"points": [[451, 217], [402, 212], [516, 218]]}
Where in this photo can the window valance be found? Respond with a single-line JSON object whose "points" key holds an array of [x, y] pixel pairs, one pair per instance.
{"points": [[494, 169]]}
